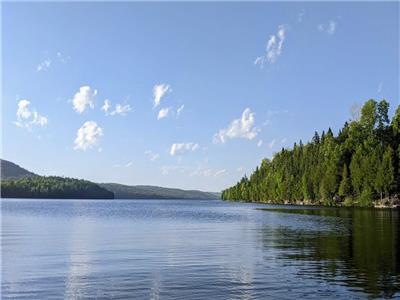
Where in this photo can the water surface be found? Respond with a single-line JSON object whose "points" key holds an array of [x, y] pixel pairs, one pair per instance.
{"points": [[186, 249]]}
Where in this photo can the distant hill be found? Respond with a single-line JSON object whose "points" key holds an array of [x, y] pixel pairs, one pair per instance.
{"points": [[53, 187], [10, 170], [155, 192], [18, 182]]}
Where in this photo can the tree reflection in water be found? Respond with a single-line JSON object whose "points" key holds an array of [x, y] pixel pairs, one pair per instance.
{"points": [[358, 248]]}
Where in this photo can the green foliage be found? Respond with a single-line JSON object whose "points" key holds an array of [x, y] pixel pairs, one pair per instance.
{"points": [[53, 187], [354, 167], [345, 185]]}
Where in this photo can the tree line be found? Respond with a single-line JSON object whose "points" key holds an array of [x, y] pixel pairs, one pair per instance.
{"points": [[357, 166], [53, 187]]}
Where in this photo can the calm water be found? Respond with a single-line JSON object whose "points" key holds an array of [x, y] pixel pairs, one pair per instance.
{"points": [[180, 249]]}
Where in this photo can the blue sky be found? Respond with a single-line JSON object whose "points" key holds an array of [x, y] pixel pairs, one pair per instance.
{"points": [[247, 79]]}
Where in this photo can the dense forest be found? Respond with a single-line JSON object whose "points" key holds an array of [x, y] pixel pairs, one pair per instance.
{"points": [[53, 187], [357, 166]]}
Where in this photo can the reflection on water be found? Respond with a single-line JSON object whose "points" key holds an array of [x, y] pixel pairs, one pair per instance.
{"points": [[361, 249], [183, 249]]}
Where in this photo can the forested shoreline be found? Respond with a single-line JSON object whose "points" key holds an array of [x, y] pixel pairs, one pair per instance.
{"points": [[53, 187], [357, 167]]}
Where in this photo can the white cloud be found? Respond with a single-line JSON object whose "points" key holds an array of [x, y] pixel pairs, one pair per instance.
{"points": [[240, 169], [129, 164], [328, 28], [271, 144], [27, 118], [181, 148], [283, 141], [239, 128], [274, 47], [220, 173], [88, 136], [121, 110], [179, 110], [23, 111], [163, 113], [106, 106], [85, 97], [259, 144], [43, 65], [159, 91], [152, 156]]}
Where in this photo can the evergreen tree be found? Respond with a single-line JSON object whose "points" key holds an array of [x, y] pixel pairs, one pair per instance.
{"points": [[358, 164], [388, 171], [345, 185]]}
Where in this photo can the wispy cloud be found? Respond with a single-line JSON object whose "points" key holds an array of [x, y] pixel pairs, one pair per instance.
{"points": [[181, 148], [207, 172], [300, 16], [166, 170], [239, 128], [328, 28], [106, 106], [179, 110], [163, 113], [84, 98], [152, 156], [274, 47], [43, 65], [272, 114], [27, 118], [259, 144], [201, 171], [271, 144], [129, 164], [380, 86], [159, 90], [126, 165], [220, 173], [48, 62], [88, 136], [63, 58], [120, 109]]}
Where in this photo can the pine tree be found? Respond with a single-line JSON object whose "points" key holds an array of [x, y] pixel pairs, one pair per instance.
{"points": [[345, 185], [388, 171]]}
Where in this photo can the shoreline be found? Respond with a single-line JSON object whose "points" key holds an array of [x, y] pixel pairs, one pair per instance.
{"points": [[392, 203]]}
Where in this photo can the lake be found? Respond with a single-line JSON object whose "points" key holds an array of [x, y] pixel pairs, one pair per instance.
{"points": [[188, 249]]}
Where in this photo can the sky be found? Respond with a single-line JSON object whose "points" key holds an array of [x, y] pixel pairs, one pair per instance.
{"points": [[187, 95]]}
